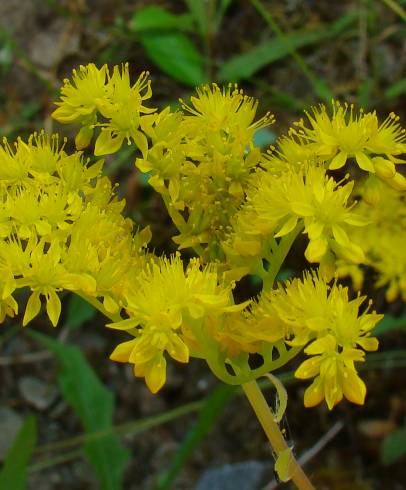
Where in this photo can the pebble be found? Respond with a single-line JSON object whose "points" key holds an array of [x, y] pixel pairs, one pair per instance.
{"points": [[36, 392], [247, 475]]}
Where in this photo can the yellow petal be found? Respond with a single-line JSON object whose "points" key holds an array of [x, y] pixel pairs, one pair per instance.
{"points": [[287, 227], [368, 343], [178, 349], [353, 387], [107, 144], [110, 304], [123, 351], [32, 308], [340, 235], [155, 374], [384, 168], [338, 161], [332, 391], [141, 142], [53, 307], [308, 368], [316, 249], [398, 182], [364, 162], [322, 345], [314, 393]]}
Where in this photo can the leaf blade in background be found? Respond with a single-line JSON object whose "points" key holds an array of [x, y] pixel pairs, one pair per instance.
{"points": [[94, 405], [170, 49], [211, 409], [14, 472], [397, 89], [158, 18], [394, 446], [243, 66], [176, 55], [389, 323]]}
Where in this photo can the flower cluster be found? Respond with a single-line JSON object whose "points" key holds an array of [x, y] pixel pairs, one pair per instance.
{"points": [[237, 207], [310, 313], [308, 197], [61, 228], [344, 135], [169, 309], [383, 242], [97, 98], [200, 161]]}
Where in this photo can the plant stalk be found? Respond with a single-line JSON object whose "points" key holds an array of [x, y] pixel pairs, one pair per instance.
{"points": [[274, 434]]}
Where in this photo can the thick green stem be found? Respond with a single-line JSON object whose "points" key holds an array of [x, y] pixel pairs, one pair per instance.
{"points": [[275, 437]]}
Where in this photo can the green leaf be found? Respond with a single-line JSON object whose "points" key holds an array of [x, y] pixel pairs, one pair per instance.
{"points": [[94, 405], [211, 409], [245, 65], [394, 446], [389, 323], [171, 50], [158, 18], [14, 472], [79, 312], [176, 55], [397, 89]]}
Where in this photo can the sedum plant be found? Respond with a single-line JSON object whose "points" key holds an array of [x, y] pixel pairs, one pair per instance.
{"points": [[333, 179]]}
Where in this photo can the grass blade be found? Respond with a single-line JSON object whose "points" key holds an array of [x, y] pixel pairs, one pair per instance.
{"points": [[211, 409], [14, 472], [245, 65], [94, 405]]}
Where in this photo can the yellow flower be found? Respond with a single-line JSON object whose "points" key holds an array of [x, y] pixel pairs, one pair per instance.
{"points": [[14, 163], [360, 136], [335, 374], [61, 227], [164, 305], [123, 111], [227, 110], [81, 97], [310, 310], [46, 276], [277, 203], [200, 162], [382, 241], [95, 98]]}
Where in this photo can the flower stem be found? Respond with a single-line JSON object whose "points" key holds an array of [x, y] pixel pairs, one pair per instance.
{"points": [[277, 258], [114, 317], [271, 429]]}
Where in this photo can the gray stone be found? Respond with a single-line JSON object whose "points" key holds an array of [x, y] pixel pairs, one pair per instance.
{"points": [[36, 392], [239, 476]]}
